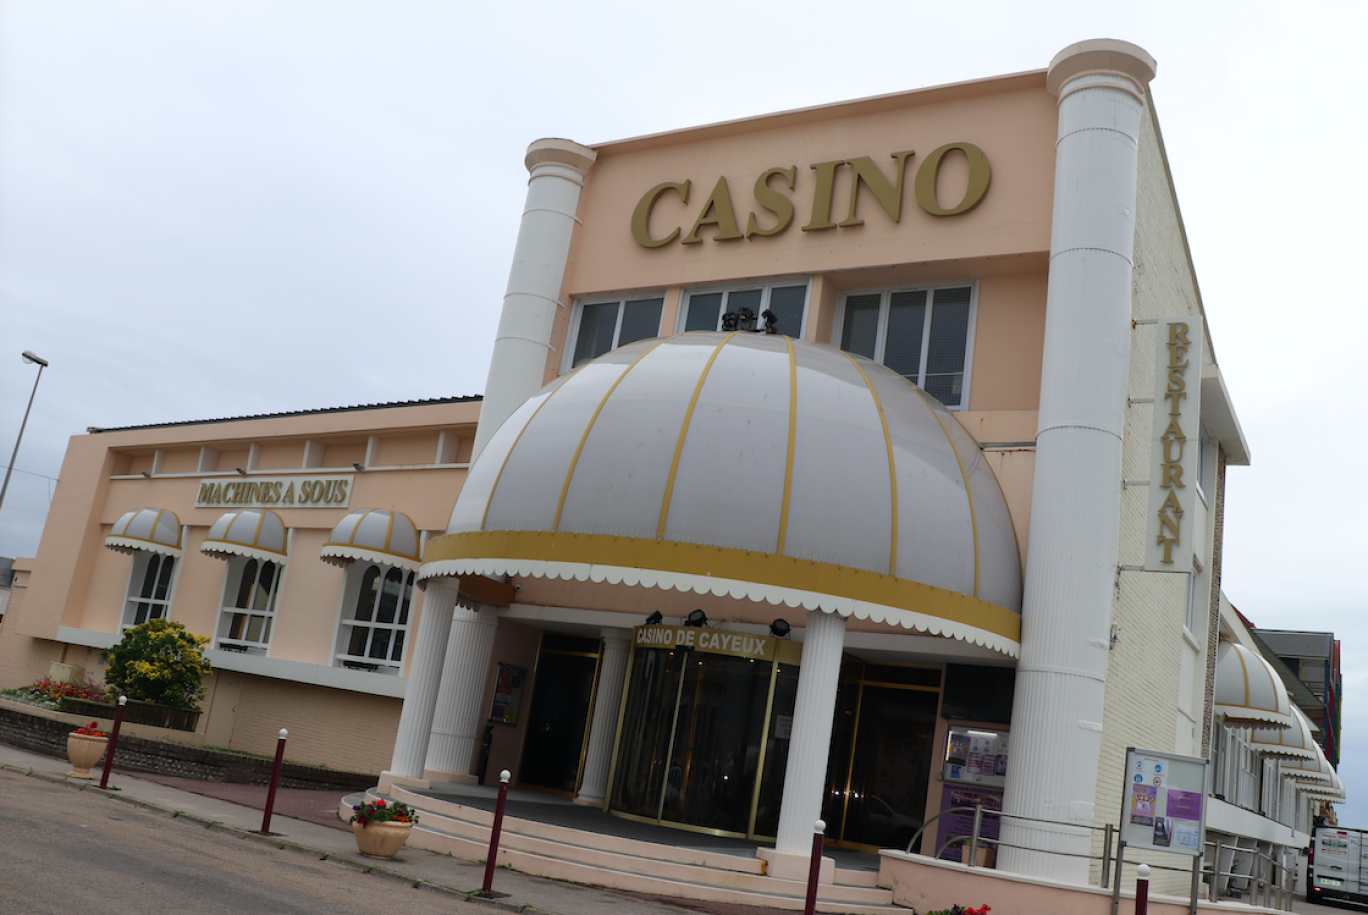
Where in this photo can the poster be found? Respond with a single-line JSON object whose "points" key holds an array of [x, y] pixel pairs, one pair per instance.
{"points": [[1163, 804], [508, 688], [961, 824], [976, 757]]}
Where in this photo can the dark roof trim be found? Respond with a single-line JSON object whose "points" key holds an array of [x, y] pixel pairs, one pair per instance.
{"points": [[472, 398]]}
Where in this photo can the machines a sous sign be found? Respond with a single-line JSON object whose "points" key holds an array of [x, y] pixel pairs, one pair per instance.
{"points": [[774, 210], [312, 492]]}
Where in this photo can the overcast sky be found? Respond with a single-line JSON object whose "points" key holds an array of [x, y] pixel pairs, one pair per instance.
{"points": [[218, 209]]}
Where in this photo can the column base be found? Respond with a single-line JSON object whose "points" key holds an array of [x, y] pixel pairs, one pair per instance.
{"points": [[788, 866], [588, 800], [455, 778], [388, 780]]}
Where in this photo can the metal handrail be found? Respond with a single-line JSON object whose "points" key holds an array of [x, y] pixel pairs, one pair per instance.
{"points": [[1269, 875]]}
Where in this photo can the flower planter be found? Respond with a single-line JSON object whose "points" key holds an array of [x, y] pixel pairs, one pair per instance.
{"points": [[148, 713], [84, 752], [381, 840]]}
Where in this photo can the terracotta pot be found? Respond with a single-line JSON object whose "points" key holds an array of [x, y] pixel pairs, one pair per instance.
{"points": [[381, 840], [84, 751]]}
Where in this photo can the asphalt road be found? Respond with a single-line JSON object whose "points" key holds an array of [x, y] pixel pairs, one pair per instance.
{"points": [[64, 852]]}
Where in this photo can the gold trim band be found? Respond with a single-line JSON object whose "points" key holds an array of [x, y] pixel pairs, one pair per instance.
{"points": [[724, 563]]}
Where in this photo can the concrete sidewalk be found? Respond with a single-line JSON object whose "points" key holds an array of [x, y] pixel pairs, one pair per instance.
{"points": [[300, 825]]}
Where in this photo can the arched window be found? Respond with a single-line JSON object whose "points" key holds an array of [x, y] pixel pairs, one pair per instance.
{"points": [[249, 607], [375, 618], [149, 588]]}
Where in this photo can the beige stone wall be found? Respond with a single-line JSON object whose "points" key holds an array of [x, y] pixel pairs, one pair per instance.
{"points": [[328, 727]]}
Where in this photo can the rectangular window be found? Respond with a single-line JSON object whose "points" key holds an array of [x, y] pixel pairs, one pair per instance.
{"points": [[924, 334], [375, 618], [1194, 598], [1206, 466], [249, 605], [601, 326], [149, 589], [744, 308]]}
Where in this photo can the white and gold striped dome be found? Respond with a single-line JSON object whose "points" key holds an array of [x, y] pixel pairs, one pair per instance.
{"points": [[253, 532], [156, 530], [1248, 689], [374, 535], [751, 465]]}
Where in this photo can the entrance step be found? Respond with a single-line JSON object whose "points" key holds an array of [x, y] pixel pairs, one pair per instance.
{"points": [[597, 859]]}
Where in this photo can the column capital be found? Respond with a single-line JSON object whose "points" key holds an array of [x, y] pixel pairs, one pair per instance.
{"points": [[555, 151], [1101, 56]]}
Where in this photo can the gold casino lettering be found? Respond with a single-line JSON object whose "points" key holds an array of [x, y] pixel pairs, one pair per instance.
{"points": [[776, 208]]}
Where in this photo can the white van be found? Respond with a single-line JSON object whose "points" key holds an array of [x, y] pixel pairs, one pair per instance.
{"points": [[1338, 868]]}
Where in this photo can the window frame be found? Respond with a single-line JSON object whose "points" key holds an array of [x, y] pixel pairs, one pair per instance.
{"points": [[232, 586], [347, 620], [1206, 466], [621, 299], [137, 576], [766, 288], [886, 294], [1193, 602]]}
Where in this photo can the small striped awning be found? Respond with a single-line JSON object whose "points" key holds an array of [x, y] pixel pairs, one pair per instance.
{"points": [[155, 530], [252, 532], [374, 535], [1295, 742], [1249, 691]]}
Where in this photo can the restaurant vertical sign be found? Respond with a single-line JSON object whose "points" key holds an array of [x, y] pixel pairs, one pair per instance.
{"points": [[1173, 463]]}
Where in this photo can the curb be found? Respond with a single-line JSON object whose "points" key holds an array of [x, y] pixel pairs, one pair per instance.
{"points": [[279, 843]]}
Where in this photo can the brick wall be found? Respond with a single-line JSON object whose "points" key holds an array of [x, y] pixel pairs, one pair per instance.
{"points": [[135, 754]]}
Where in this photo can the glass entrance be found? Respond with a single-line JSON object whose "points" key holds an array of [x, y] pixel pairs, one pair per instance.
{"points": [[881, 754], [699, 746]]}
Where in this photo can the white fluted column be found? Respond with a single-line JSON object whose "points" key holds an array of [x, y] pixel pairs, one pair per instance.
{"points": [[603, 728], [813, 710], [1076, 495], [425, 674], [456, 721], [517, 366]]}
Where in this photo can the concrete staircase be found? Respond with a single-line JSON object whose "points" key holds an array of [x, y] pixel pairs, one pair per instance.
{"points": [[596, 859]]}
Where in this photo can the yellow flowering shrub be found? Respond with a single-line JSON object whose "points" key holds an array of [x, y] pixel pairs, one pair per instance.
{"points": [[159, 661]]}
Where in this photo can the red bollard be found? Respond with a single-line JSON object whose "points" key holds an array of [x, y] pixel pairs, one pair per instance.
{"points": [[492, 859], [815, 867], [113, 742], [1142, 889], [275, 779]]}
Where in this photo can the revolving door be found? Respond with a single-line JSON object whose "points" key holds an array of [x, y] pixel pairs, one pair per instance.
{"points": [[704, 738]]}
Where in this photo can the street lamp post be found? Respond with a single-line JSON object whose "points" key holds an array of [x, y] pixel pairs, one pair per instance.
{"points": [[42, 363]]}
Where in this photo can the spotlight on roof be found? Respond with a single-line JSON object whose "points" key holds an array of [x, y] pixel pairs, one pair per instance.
{"points": [[780, 628], [241, 471], [654, 619], [358, 465], [697, 618], [146, 475]]}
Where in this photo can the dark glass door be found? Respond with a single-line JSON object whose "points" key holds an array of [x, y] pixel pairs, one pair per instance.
{"points": [[881, 756], [557, 721]]}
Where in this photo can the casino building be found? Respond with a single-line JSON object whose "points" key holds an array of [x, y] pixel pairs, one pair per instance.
{"points": [[850, 463]]}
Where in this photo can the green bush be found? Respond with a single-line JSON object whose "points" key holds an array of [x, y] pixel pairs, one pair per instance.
{"points": [[159, 662]]}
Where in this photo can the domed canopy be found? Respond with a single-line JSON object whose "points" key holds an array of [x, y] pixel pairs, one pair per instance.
{"points": [[153, 529], [1309, 770], [374, 535], [1248, 689], [1295, 741], [252, 532], [751, 465]]}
